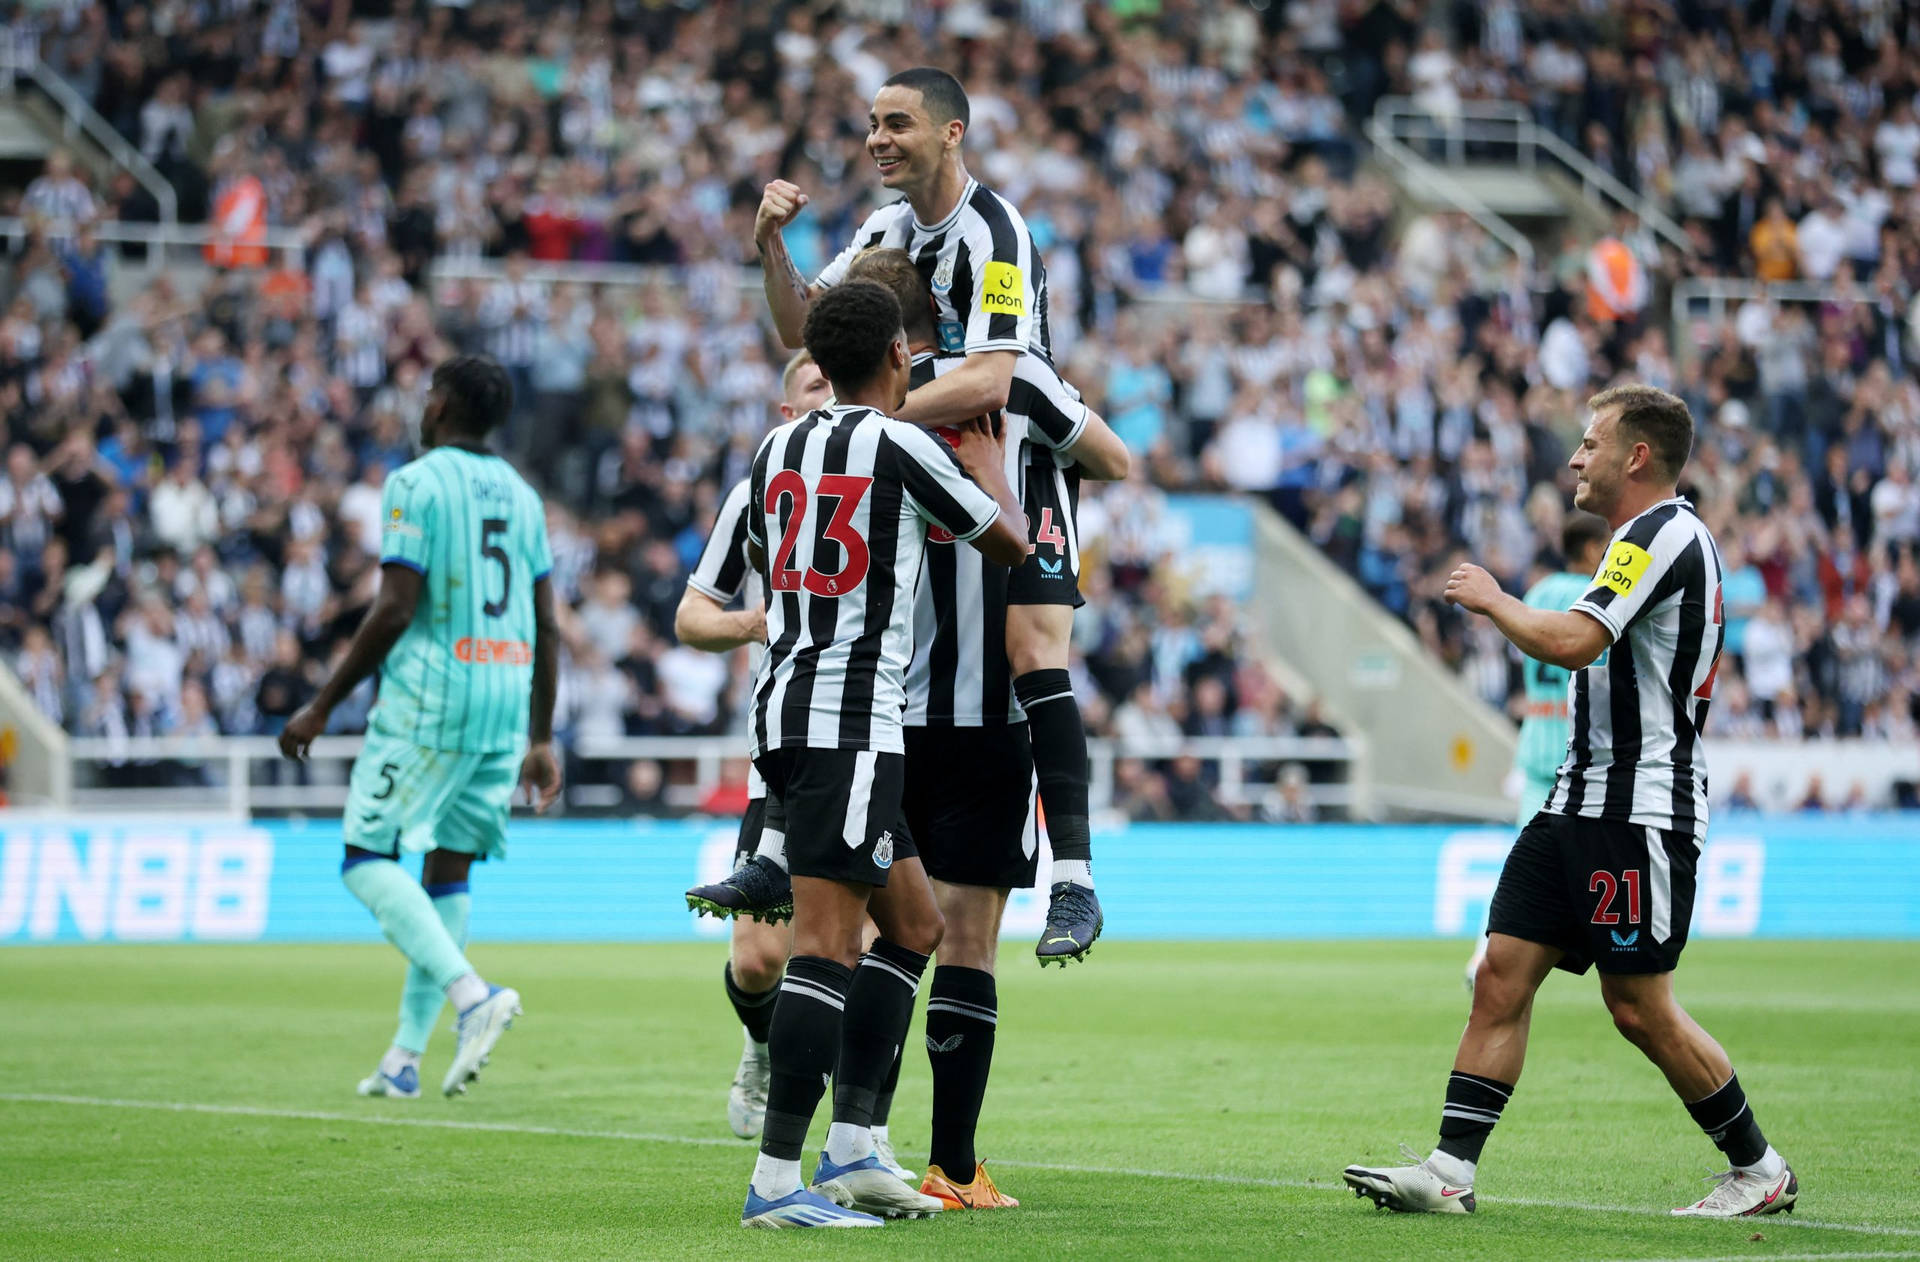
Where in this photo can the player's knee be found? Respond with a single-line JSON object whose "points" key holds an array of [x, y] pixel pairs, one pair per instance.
{"points": [[1638, 1022], [923, 932], [1499, 997], [757, 965]]}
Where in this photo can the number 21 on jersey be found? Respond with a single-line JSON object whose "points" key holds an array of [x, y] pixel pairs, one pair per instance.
{"points": [[845, 492]]}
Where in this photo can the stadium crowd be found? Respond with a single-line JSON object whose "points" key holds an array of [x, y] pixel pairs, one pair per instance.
{"points": [[190, 497]]}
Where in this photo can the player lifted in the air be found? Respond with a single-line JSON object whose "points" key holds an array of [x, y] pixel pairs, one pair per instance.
{"points": [[1603, 875], [760, 944], [990, 288], [463, 636], [838, 513], [974, 831], [1543, 728]]}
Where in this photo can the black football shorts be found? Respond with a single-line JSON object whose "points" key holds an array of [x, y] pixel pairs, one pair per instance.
{"points": [[969, 804], [1612, 895], [1051, 572], [840, 811]]}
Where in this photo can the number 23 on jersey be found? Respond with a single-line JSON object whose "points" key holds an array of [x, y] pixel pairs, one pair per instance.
{"points": [[845, 492]]}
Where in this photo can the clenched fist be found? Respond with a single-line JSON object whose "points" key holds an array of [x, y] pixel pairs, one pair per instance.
{"points": [[778, 205], [1472, 588]]}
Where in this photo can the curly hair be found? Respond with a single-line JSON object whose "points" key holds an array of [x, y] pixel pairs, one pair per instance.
{"points": [[848, 330], [478, 393]]}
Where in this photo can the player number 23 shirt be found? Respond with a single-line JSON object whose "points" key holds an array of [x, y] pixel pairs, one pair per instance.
{"points": [[840, 503]]}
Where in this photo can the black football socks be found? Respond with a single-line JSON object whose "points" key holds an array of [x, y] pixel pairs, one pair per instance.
{"points": [[1060, 761], [754, 1010], [1473, 1107], [1728, 1120], [962, 1012], [879, 1008], [803, 1043]]}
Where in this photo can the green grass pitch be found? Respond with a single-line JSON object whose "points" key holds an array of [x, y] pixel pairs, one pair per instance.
{"points": [[1164, 1100]]}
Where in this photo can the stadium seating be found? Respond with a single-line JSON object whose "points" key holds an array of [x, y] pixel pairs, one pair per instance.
{"points": [[191, 487]]}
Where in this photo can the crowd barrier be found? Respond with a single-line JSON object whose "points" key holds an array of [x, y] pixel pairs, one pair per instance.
{"points": [[69, 880]]}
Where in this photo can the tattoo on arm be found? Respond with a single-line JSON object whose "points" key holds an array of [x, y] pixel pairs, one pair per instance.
{"points": [[792, 275]]}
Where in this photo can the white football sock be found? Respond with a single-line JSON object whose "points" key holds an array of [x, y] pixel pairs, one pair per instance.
{"points": [[464, 992], [1770, 1165], [397, 1059], [773, 846], [1455, 1170], [774, 1178], [1079, 871], [848, 1143]]}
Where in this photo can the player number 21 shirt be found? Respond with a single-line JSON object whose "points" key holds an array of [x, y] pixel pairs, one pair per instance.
{"points": [[839, 502], [1636, 712], [460, 677]]}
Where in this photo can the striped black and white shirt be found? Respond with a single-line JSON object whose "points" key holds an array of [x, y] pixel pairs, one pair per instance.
{"points": [[840, 502], [959, 676], [989, 284], [725, 572], [1635, 714]]}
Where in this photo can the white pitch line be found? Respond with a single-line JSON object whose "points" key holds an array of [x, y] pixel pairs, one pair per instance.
{"points": [[1776, 1257], [706, 1141]]}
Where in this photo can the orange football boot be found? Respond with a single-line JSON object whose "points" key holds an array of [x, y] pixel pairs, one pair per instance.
{"points": [[979, 1194]]}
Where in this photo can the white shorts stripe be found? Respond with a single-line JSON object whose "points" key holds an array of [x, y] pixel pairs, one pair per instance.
{"points": [[1068, 526], [859, 797], [1660, 876]]}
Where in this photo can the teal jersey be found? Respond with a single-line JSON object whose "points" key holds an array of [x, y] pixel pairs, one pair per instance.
{"points": [[1543, 736], [460, 678]]}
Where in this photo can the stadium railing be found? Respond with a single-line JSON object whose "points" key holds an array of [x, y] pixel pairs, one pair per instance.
{"points": [[1709, 300], [20, 59], [239, 777], [1480, 130], [159, 238], [1410, 167]]}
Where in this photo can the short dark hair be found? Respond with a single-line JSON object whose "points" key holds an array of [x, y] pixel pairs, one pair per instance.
{"points": [[1582, 531], [896, 270], [478, 393], [1654, 417], [939, 91], [848, 329]]}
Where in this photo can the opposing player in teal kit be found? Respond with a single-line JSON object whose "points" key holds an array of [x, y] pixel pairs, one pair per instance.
{"points": [[1542, 746], [464, 638]]}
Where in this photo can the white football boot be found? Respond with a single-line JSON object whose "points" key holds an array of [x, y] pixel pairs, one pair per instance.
{"points": [[747, 1098], [1746, 1194], [1409, 1189]]}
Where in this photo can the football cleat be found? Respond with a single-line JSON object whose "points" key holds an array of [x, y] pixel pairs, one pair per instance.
{"points": [[759, 888], [747, 1099], [1409, 1189], [801, 1209], [883, 1149], [1073, 922], [870, 1187], [979, 1194], [1744, 1194], [404, 1085], [479, 1028]]}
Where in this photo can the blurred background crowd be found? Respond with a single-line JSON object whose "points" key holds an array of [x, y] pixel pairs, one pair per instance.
{"points": [[189, 507]]}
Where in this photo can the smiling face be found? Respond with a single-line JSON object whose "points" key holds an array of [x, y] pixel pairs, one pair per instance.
{"points": [[1602, 462], [905, 143]]}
